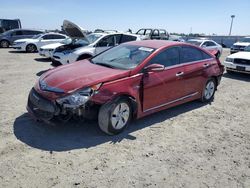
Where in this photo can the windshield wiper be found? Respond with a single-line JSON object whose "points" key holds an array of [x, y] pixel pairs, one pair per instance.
{"points": [[105, 65]]}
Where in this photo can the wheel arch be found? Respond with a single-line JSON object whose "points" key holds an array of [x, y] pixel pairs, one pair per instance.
{"points": [[86, 55], [31, 44], [132, 100]]}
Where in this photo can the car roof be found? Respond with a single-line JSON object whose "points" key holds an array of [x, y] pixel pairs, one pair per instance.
{"points": [[201, 40], [121, 33], [53, 33], [22, 29], [154, 43]]}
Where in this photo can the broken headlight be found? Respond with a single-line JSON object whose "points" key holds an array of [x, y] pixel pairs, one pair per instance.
{"points": [[80, 97]]}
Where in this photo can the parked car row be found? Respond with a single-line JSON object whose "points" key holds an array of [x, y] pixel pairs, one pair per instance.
{"points": [[116, 77]]}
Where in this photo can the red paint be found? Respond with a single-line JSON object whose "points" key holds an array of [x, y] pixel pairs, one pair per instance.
{"points": [[147, 89]]}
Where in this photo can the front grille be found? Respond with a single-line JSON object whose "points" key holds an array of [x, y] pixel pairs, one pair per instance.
{"points": [[237, 47], [42, 108], [242, 61]]}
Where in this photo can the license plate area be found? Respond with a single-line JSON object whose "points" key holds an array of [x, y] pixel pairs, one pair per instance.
{"points": [[240, 68]]}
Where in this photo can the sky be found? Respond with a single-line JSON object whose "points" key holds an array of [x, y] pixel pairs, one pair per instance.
{"points": [[181, 16]]}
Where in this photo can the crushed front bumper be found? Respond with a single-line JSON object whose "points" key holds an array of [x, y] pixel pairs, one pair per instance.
{"points": [[39, 107]]}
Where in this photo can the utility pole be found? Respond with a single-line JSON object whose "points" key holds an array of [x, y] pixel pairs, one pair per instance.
{"points": [[230, 31]]}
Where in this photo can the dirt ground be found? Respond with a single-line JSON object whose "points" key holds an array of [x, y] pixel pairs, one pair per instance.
{"points": [[192, 145]]}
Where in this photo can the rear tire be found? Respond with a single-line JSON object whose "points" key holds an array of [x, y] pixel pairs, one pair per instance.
{"points": [[114, 116], [209, 90], [4, 44], [31, 48]]}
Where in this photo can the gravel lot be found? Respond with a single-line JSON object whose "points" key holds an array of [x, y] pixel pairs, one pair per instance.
{"points": [[192, 145]]}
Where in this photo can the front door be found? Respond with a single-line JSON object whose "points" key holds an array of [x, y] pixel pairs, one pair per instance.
{"points": [[165, 87]]}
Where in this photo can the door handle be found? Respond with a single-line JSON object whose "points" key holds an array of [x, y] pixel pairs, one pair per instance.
{"points": [[179, 73], [205, 65]]}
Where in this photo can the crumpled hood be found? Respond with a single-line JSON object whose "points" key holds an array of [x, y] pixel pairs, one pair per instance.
{"points": [[78, 75], [242, 43], [240, 55], [26, 40]]}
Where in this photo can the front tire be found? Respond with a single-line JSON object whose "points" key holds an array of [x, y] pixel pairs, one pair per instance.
{"points": [[31, 48], [114, 116], [4, 44], [209, 90]]}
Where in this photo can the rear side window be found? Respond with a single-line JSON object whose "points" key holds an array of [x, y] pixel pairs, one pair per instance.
{"points": [[190, 54], [46, 37], [58, 37], [168, 57], [127, 38], [15, 33]]}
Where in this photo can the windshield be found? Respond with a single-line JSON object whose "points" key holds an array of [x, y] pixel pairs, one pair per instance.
{"points": [[245, 40], [93, 37], [194, 42], [36, 36], [80, 42], [247, 49], [123, 56]]}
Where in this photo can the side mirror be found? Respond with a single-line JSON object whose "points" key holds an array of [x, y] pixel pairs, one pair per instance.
{"points": [[154, 68]]}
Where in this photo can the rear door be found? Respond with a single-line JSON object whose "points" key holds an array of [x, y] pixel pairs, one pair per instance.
{"points": [[165, 87], [195, 63]]}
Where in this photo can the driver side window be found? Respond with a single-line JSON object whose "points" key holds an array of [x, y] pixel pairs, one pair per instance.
{"points": [[107, 41]]}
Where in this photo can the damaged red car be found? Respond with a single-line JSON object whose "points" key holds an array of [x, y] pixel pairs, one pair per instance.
{"points": [[127, 82]]}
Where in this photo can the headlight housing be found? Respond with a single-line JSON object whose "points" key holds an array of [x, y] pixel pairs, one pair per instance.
{"points": [[79, 98], [228, 59]]}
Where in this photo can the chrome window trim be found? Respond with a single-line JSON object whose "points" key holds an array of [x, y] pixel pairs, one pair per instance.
{"points": [[188, 63], [171, 102]]}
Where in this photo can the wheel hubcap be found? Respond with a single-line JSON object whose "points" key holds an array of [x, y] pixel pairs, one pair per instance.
{"points": [[209, 90], [4, 44], [31, 48], [120, 116]]}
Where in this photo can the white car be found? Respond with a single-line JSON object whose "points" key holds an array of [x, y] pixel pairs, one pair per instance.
{"points": [[241, 45], [47, 50], [210, 45], [87, 46], [33, 44], [238, 62]]}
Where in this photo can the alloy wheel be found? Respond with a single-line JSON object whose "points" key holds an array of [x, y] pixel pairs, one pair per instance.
{"points": [[209, 90], [120, 116]]}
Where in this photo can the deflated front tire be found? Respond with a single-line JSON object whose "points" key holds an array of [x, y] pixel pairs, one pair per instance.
{"points": [[114, 116]]}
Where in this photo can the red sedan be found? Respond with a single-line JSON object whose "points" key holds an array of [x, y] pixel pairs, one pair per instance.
{"points": [[129, 81]]}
